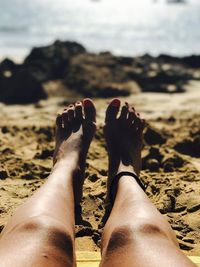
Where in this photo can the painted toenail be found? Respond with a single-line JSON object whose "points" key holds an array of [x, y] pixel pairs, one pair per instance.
{"points": [[115, 103], [87, 103]]}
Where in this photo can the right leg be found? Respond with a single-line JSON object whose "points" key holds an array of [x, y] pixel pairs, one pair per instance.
{"points": [[136, 234], [41, 231]]}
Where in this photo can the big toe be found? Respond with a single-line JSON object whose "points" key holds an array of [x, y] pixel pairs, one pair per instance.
{"points": [[89, 110], [112, 110]]}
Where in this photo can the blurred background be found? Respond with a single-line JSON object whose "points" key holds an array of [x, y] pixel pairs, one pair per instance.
{"points": [[128, 27]]}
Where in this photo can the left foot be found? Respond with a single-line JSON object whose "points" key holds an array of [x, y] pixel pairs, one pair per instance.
{"points": [[75, 128], [124, 140]]}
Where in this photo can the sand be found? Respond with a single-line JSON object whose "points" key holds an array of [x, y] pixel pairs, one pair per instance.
{"points": [[171, 170]]}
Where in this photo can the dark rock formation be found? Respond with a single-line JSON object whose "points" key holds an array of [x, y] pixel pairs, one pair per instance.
{"points": [[92, 75], [190, 146], [97, 76], [153, 136], [20, 87], [51, 62]]}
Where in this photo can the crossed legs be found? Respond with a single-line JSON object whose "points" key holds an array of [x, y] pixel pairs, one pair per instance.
{"points": [[41, 232]]}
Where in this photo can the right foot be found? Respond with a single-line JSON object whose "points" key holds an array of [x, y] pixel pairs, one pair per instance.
{"points": [[75, 128], [124, 140]]}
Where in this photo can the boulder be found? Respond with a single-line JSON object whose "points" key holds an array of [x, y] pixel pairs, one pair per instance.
{"points": [[20, 87], [50, 62], [153, 136], [97, 76]]}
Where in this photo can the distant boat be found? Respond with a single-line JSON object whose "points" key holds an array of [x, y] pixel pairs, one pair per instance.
{"points": [[176, 1]]}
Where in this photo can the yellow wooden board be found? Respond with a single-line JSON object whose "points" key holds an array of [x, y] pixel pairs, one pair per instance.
{"points": [[87, 259], [92, 259]]}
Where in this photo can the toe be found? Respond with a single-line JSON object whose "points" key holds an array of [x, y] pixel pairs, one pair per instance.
{"points": [[124, 112], [142, 124], [112, 110], [137, 121], [70, 113], [78, 111], [65, 118], [131, 115], [89, 110], [59, 121]]}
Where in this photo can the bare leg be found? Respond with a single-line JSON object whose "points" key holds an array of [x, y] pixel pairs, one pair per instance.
{"points": [[41, 232], [136, 234]]}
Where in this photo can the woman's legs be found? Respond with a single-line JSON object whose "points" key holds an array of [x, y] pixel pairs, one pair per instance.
{"points": [[136, 234], [41, 231]]}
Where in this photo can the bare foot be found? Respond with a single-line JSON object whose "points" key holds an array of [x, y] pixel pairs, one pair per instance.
{"points": [[75, 128], [124, 140]]}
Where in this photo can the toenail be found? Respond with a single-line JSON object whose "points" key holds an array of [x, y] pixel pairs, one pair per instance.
{"points": [[115, 103], [87, 103]]}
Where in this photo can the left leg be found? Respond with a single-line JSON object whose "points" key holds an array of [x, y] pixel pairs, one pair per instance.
{"points": [[136, 234], [41, 231]]}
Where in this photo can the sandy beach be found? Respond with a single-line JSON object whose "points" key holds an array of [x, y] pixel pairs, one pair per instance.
{"points": [[171, 154]]}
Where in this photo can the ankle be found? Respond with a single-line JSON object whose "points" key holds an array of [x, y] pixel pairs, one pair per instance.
{"points": [[126, 168], [69, 164]]}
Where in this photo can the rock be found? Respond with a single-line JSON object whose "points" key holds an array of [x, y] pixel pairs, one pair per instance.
{"points": [[192, 61], [168, 59], [168, 166], [21, 88], [103, 172], [155, 154], [8, 65], [190, 146], [93, 178], [51, 62], [171, 162], [82, 231], [3, 174], [97, 76], [152, 164], [45, 153], [153, 136], [4, 130]]}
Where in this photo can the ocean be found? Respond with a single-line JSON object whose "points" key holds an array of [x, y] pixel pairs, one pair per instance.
{"points": [[124, 27]]}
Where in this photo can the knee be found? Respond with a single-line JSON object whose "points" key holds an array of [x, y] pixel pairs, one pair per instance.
{"points": [[51, 232], [148, 228], [120, 237], [132, 234]]}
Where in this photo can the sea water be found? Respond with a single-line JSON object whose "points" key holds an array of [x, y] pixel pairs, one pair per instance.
{"points": [[125, 27]]}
